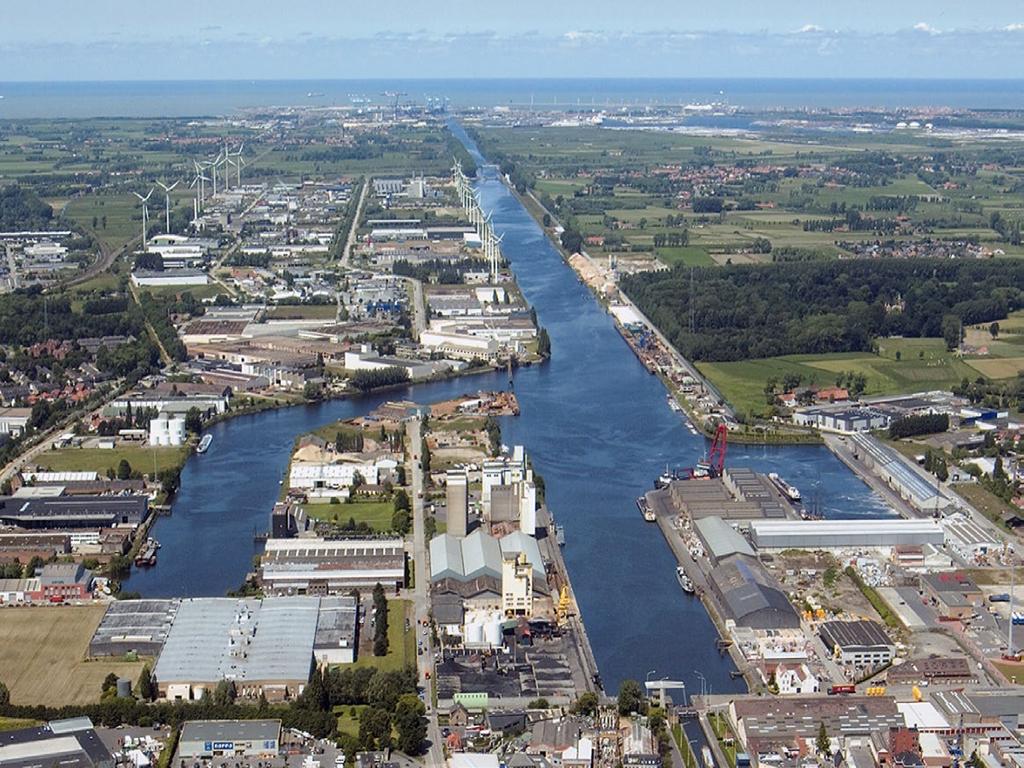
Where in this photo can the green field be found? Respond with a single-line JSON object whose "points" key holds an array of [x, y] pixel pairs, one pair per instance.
{"points": [[401, 644], [376, 514], [924, 364], [142, 458], [304, 312], [689, 256]]}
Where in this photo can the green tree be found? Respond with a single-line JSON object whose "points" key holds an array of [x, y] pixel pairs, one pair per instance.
{"points": [[124, 470], [5, 695], [194, 421], [543, 343], [823, 743], [224, 694], [631, 698], [952, 330], [400, 522], [146, 687], [401, 501], [586, 704], [993, 330], [109, 684], [374, 728], [410, 723]]}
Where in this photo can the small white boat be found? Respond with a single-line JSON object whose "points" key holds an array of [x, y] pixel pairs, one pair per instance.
{"points": [[684, 580], [204, 444]]}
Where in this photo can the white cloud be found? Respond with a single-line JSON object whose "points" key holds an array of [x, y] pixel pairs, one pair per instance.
{"points": [[810, 28], [1014, 28], [924, 26]]}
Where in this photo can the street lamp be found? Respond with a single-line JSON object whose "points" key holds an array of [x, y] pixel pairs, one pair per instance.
{"points": [[703, 682], [648, 678]]}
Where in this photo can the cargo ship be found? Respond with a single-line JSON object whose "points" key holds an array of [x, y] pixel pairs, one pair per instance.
{"points": [[790, 492], [684, 580], [204, 444]]}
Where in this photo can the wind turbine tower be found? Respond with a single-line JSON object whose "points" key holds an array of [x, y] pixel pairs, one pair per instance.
{"points": [[167, 201], [145, 216]]}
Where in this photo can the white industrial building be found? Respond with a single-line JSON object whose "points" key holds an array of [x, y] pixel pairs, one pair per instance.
{"points": [[844, 534], [166, 429], [368, 360], [303, 566], [318, 477], [460, 346], [154, 278]]}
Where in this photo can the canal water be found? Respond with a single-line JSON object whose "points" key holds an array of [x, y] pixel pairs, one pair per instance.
{"points": [[598, 428]]}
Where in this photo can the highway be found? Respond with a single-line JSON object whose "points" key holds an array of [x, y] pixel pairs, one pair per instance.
{"points": [[346, 253]]}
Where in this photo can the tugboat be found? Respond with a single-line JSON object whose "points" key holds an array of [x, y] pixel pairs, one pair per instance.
{"points": [[645, 508], [204, 444], [684, 580]]}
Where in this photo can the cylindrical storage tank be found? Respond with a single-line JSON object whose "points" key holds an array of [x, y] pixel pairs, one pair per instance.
{"points": [[124, 688], [176, 430], [492, 633], [474, 633]]}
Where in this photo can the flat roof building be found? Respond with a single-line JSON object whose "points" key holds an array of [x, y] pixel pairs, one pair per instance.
{"points": [[336, 631], [74, 511], [263, 646], [229, 738], [66, 743], [141, 626]]}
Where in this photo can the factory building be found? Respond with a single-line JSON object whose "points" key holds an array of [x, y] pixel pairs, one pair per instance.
{"points": [[318, 478], [509, 493], [263, 646], [457, 499], [844, 534], [66, 743], [139, 626], [65, 512], [740, 494], [517, 586], [302, 566], [749, 596], [861, 643], [207, 739], [913, 487]]}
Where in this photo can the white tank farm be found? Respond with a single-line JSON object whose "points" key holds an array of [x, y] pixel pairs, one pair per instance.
{"points": [[167, 430], [492, 632]]}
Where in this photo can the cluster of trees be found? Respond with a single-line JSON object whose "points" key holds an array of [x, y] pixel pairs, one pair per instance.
{"points": [[22, 209], [15, 570], [746, 312], [380, 621], [572, 240], [543, 342], [935, 462], [493, 429], [671, 239], [924, 424], [241, 259], [437, 270], [150, 260], [157, 312], [348, 441], [401, 519], [364, 381], [460, 153]]}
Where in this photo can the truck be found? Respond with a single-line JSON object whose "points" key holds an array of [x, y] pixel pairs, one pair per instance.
{"points": [[835, 690], [1003, 597]]}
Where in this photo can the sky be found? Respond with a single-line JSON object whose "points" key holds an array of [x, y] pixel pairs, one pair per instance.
{"points": [[258, 39]]}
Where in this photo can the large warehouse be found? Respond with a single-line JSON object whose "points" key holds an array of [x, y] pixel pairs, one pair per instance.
{"points": [[264, 646], [749, 596], [64, 512], [331, 566], [842, 534]]}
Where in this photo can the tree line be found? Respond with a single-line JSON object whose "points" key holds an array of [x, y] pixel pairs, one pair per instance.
{"points": [[744, 311]]}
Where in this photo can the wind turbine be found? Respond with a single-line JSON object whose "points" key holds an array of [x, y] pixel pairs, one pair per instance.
{"points": [[213, 166], [167, 201], [199, 180], [145, 216], [239, 162]]}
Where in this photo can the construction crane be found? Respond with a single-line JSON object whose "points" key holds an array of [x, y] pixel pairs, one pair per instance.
{"points": [[711, 465]]}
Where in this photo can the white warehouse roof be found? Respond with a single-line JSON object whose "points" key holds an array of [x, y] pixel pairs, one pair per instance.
{"points": [[886, 532]]}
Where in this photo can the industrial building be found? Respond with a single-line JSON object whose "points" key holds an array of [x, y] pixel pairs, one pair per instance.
{"points": [[481, 555], [749, 596], [302, 566], [65, 512], [842, 418], [336, 630], [740, 494], [954, 594], [66, 743], [139, 626], [457, 502], [206, 739], [861, 643], [843, 534], [65, 581], [898, 475], [721, 540], [264, 646]]}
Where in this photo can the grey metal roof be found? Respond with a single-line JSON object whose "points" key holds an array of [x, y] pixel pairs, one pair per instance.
{"points": [[721, 539], [480, 555], [750, 596], [214, 639], [231, 730]]}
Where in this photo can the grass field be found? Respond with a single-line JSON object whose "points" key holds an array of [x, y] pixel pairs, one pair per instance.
{"points": [[376, 514], [984, 501], [401, 644], [688, 256], [924, 364], [42, 655], [347, 722], [142, 458], [14, 723]]}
